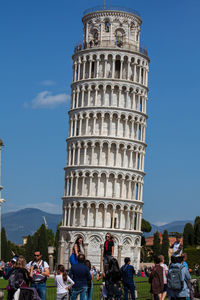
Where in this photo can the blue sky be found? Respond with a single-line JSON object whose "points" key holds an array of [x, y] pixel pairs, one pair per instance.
{"points": [[37, 41]]}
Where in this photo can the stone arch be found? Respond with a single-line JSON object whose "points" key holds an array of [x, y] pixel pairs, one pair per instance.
{"points": [[119, 36], [94, 243]]}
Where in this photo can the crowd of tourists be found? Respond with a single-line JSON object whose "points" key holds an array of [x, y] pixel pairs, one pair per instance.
{"points": [[28, 280], [83, 274], [174, 281]]}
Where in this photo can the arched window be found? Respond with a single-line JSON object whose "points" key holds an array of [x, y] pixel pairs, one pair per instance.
{"points": [[96, 37], [119, 37], [107, 26]]}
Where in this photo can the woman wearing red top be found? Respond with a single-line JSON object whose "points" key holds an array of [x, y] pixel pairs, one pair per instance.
{"points": [[108, 251]]}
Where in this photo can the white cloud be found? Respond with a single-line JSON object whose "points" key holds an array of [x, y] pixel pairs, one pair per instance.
{"points": [[47, 82], [159, 223], [45, 99]]}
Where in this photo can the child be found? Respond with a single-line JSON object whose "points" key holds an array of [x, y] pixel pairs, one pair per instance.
{"points": [[63, 283]]}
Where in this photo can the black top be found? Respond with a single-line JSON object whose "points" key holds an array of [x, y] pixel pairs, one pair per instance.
{"points": [[108, 248]]}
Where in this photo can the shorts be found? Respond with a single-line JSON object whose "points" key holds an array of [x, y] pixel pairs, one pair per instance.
{"points": [[165, 288]]}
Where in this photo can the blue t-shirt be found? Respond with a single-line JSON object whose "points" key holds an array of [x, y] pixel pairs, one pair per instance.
{"points": [[185, 265], [127, 273]]}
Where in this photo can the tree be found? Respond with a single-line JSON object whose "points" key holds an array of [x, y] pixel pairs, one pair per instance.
{"points": [[156, 244], [56, 243], [197, 230], [29, 248], [165, 247], [43, 244], [50, 237], [36, 243], [4, 245], [188, 235], [146, 226]]}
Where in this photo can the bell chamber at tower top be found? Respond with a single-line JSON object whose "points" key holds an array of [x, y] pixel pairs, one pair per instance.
{"points": [[111, 28]]}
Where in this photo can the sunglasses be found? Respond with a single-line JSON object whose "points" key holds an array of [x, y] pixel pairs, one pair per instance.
{"points": [[37, 255]]}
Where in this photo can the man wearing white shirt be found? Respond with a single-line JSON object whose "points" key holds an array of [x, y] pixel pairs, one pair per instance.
{"points": [[39, 271], [177, 247]]}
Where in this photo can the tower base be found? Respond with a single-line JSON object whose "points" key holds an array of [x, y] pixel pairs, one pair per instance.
{"points": [[127, 244]]}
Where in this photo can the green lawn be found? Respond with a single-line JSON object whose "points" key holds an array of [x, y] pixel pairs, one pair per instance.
{"points": [[141, 283]]}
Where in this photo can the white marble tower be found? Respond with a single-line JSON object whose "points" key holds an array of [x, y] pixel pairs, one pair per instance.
{"points": [[104, 175]]}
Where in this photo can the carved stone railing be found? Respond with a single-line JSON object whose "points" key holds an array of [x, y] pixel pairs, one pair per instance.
{"points": [[112, 8], [110, 44]]}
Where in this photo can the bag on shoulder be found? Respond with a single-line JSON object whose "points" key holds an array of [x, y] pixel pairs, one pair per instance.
{"points": [[175, 281], [45, 277], [16, 279], [155, 280]]}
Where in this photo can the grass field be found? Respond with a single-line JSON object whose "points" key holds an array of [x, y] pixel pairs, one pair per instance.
{"points": [[142, 285]]}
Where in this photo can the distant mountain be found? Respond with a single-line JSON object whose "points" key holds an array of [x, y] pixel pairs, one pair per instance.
{"points": [[176, 226], [27, 221]]}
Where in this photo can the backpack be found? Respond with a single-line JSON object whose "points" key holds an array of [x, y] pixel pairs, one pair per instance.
{"points": [[156, 281], [175, 280], [16, 279], [42, 264]]}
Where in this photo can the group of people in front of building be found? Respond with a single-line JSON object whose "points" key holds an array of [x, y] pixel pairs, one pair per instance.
{"points": [[28, 281], [174, 281], [112, 276]]}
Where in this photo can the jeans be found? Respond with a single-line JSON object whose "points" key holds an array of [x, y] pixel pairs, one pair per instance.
{"points": [[129, 287], [82, 292], [106, 260], [90, 290], [62, 296], [41, 289]]}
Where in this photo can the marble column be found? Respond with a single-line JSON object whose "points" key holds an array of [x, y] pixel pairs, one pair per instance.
{"points": [[101, 258], [120, 247]]}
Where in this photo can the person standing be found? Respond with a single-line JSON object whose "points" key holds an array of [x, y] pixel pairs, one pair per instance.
{"points": [[156, 280], [177, 278], [90, 283], [39, 271], [108, 251], [77, 249], [63, 283], [19, 277], [127, 271], [177, 247], [165, 271], [80, 274]]}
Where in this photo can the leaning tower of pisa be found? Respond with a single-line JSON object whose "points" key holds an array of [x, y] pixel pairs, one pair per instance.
{"points": [[104, 175]]}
